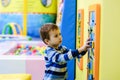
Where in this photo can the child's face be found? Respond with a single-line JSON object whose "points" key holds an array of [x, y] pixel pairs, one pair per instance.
{"points": [[55, 38]]}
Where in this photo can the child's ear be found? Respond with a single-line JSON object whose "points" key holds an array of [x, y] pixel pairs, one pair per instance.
{"points": [[46, 41]]}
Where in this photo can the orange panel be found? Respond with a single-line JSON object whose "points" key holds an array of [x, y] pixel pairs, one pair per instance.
{"points": [[80, 34], [96, 9]]}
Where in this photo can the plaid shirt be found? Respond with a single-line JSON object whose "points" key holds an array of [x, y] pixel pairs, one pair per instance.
{"points": [[56, 62]]}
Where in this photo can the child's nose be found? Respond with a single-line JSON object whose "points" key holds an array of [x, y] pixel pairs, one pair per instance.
{"points": [[60, 37]]}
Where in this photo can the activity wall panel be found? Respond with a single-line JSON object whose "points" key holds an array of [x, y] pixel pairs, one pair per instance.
{"points": [[80, 34], [94, 34]]}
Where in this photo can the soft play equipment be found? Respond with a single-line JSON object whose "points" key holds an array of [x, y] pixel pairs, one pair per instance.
{"points": [[13, 31], [6, 47], [15, 77], [5, 37], [33, 65], [67, 25], [22, 49], [29, 14], [20, 57], [12, 28]]}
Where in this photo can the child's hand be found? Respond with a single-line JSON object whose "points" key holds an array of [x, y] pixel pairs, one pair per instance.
{"points": [[85, 46]]}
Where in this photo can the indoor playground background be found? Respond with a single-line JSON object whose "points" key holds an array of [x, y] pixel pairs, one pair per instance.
{"points": [[22, 51]]}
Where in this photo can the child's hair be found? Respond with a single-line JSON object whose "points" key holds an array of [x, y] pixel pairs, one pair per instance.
{"points": [[45, 29]]}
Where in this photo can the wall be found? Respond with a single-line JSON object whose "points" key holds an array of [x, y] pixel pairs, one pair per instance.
{"points": [[109, 40], [84, 4], [109, 65]]}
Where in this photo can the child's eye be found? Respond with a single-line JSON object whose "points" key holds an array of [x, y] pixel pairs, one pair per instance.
{"points": [[56, 35]]}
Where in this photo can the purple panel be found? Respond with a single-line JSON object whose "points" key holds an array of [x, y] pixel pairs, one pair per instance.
{"points": [[35, 66]]}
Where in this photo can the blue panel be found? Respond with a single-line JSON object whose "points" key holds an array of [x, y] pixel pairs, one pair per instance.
{"points": [[8, 18], [68, 25], [92, 18], [35, 21]]}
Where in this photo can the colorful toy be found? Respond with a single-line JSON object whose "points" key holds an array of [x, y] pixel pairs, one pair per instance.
{"points": [[29, 50], [12, 28]]}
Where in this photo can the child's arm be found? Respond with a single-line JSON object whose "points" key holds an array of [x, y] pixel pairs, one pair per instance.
{"points": [[56, 57], [67, 54]]}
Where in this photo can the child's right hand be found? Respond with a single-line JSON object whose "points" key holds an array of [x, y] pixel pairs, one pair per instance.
{"points": [[85, 46]]}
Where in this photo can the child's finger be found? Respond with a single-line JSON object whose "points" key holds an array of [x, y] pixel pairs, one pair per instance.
{"points": [[89, 43], [88, 39]]}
